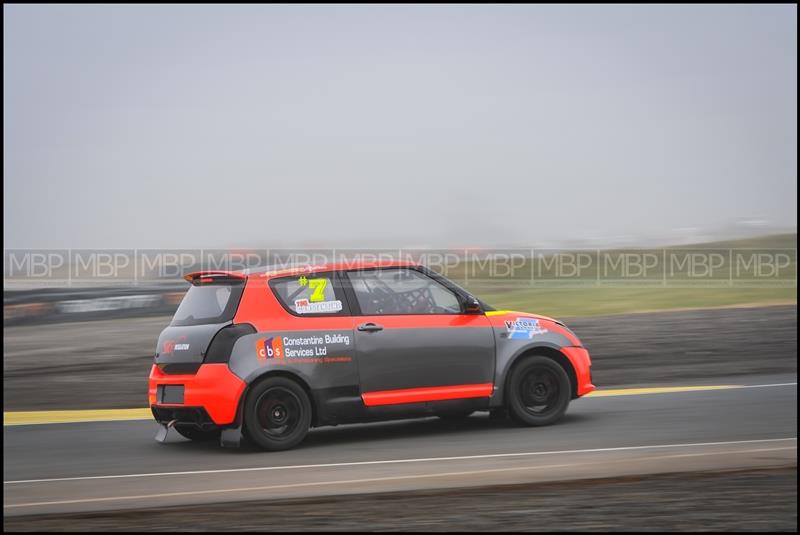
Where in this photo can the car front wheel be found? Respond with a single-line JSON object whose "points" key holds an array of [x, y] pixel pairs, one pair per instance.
{"points": [[538, 391]]}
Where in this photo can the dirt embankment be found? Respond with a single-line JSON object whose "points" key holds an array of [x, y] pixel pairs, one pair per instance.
{"points": [[104, 364]]}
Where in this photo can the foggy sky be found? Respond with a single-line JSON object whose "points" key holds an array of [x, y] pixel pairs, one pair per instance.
{"points": [[215, 126]]}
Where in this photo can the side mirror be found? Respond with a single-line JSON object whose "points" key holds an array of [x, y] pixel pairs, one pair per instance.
{"points": [[472, 305]]}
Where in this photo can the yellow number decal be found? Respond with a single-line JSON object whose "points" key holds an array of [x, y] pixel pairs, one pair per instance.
{"points": [[318, 285]]}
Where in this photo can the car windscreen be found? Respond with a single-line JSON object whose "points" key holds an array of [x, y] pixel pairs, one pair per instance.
{"points": [[209, 303]]}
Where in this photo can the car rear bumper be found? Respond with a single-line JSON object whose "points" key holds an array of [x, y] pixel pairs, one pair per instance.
{"points": [[582, 364], [213, 391], [196, 416]]}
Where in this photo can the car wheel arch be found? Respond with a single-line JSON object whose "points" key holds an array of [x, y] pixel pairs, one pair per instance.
{"points": [[255, 379], [551, 352]]}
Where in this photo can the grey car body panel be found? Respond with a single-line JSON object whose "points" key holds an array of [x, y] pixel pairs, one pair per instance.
{"points": [[391, 359], [510, 349], [329, 369], [321, 368], [401, 358], [198, 338]]}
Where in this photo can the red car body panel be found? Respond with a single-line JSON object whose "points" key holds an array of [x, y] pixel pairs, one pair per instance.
{"points": [[214, 387], [436, 393], [582, 363]]}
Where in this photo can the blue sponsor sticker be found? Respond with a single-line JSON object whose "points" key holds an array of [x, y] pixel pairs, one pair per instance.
{"points": [[523, 328]]}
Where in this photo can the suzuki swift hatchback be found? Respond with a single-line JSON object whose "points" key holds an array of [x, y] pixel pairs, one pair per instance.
{"points": [[273, 352]]}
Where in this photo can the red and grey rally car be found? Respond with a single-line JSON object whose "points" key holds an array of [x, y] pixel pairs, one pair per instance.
{"points": [[272, 352]]}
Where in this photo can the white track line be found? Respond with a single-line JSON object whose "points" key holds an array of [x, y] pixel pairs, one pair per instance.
{"points": [[372, 480], [397, 461]]}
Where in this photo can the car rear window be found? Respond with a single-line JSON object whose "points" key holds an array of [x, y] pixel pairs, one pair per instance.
{"points": [[209, 303], [310, 295]]}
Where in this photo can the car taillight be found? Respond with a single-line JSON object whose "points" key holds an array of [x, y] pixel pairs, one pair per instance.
{"points": [[219, 350]]}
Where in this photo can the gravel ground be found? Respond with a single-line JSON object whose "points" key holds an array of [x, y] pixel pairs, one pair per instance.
{"points": [[105, 363], [665, 347], [748, 500]]}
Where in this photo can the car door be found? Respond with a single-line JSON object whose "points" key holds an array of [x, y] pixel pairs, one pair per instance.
{"points": [[413, 341]]}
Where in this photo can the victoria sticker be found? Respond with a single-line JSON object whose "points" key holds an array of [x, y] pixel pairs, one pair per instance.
{"points": [[523, 328]]}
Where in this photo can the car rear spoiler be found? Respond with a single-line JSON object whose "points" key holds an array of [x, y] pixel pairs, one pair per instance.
{"points": [[205, 277]]}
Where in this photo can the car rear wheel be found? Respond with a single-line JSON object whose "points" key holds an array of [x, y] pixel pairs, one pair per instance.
{"points": [[277, 414], [538, 391], [195, 433]]}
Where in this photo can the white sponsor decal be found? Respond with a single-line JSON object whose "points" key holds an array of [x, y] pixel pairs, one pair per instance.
{"points": [[304, 306], [312, 346]]}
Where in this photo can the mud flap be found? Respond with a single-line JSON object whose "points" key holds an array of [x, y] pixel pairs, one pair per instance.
{"points": [[500, 413], [161, 435], [231, 437], [163, 429]]}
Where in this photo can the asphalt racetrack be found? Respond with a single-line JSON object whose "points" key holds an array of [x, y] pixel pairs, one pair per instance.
{"points": [[661, 452], [112, 465]]}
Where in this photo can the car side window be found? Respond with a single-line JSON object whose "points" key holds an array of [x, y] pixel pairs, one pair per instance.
{"points": [[401, 291], [305, 295]]}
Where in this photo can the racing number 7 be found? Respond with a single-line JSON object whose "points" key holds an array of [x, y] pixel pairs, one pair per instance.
{"points": [[318, 285]]}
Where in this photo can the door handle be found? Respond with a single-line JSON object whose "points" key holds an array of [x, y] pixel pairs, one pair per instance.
{"points": [[370, 327]]}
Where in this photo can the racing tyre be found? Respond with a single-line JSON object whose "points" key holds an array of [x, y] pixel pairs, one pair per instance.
{"points": [[277, 414], [538, 391], [195, 433]]}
